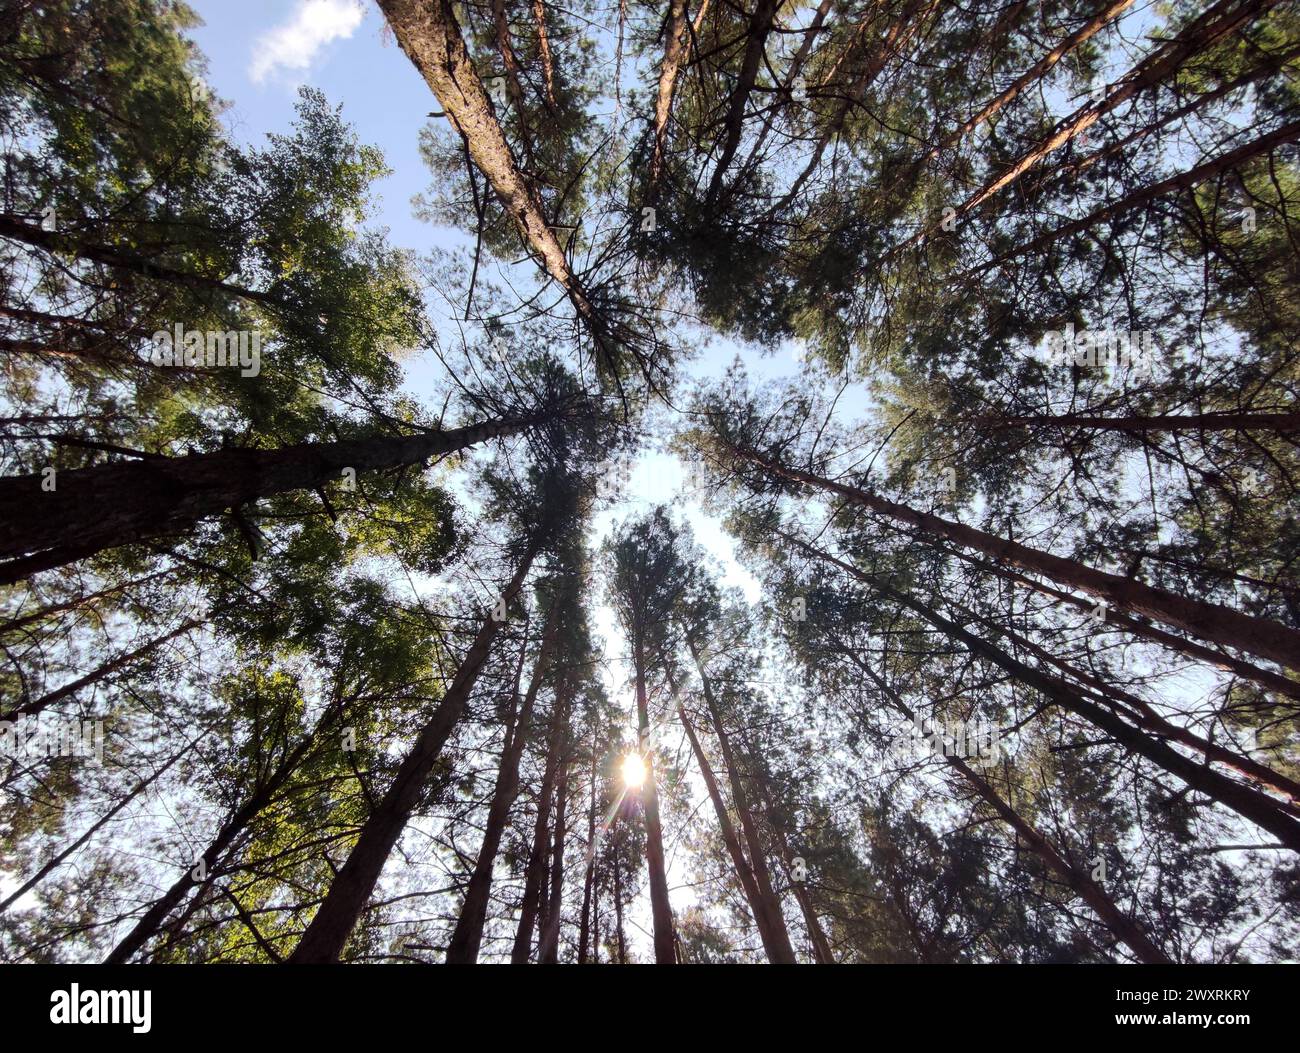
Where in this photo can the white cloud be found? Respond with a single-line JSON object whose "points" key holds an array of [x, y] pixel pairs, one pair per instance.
{"points": [[294, 44]]}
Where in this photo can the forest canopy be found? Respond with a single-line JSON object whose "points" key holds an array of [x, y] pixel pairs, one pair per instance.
{"points": [[498, 600]]}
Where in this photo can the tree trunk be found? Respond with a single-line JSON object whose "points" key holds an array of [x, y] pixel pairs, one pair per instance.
{"points": [[781, 951], [544, 49], [145, 929], [1288, 133], [324, 938], [1210, 26], [14, 624], [110, 256], [618, 911], [468, 934], [760, 25], [1124, 927], [535, 877], [1214, 421], [1250, 804], [548, 948], [1218, 659], [674, 56], [1140, 713], [30, 709], [429, 34], [589, 878], [92, 509], [791, 76], [90, 832], [660, 908], [743, 873], [822, 953], [901, 29], [1209, 621], [1035, 73]]}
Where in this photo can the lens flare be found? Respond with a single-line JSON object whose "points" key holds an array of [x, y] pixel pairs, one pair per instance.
{"points": [[633, 771]]}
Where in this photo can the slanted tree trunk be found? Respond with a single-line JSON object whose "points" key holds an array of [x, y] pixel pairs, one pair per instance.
{"points": [[1209, 621], [36, 705], [468, 934], [544, 48], [674, 56], [1211, 25], [1218, 659], [14, 624], [17, 229], [1288, 133], [901, 29], [1140, 713], [1031, 76], [781, 951], [93, 829], [618, 912], [760, 25], [1213, 421], [148, 925], [738, 861], [429, 34], [1125, 928], [822, 953], [585, 925], [1259, 808], [329, 930], [92, 509]]}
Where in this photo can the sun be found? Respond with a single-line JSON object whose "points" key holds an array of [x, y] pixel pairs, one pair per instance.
{"points": [[633, 771]]}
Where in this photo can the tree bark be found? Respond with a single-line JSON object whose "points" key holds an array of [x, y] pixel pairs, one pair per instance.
{"points": [[674, 56], [1209, 621], [822, 953], [760, 25], [1211, 25], [1125, 928], [1288, 133], [548, 947], [429, 34], [92, 509], [1264, 677], [1035, 73], [589, 878], [781, 951]]}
